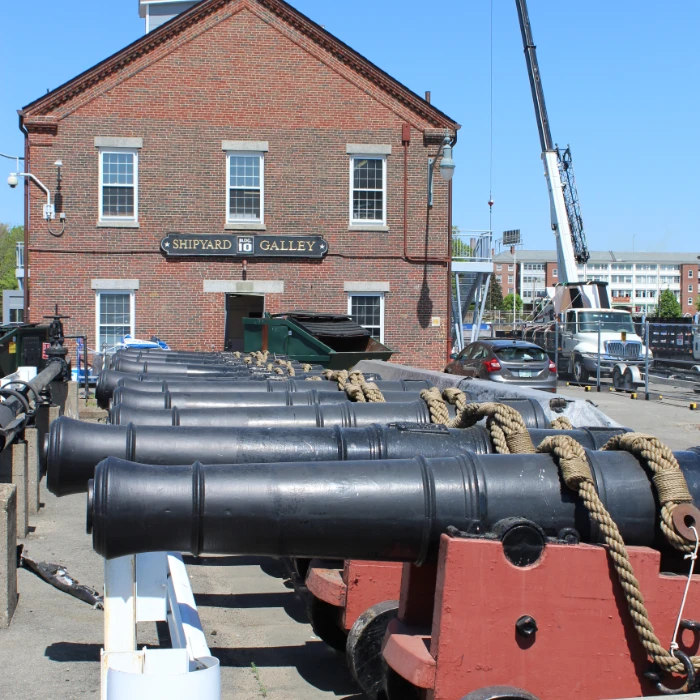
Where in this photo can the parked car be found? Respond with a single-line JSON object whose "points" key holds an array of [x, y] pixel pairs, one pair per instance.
{"points": [[507, 361]]}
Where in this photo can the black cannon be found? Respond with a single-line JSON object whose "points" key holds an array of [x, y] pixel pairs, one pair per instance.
{"points": [[74, 447], [387, 510], [230, 398], [191, 369], [346, 414], [110, 379]]}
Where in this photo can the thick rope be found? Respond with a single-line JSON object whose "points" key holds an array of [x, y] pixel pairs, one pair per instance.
{"points": [[508, 431], [367, 392], [340, 376], [306, 367], [667, 478], [562, 423], [576, 474]]}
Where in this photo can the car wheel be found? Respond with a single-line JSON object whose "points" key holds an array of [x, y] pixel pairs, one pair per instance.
{"points": [[580, 372]]}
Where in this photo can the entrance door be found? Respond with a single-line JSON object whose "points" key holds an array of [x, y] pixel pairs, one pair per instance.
{"points": [[238, 307]]}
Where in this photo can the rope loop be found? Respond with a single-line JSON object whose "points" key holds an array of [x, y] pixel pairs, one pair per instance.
{"points": [[667, 478], [576, 473]]}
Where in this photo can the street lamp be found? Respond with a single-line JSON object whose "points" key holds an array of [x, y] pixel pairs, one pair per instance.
{"points": [[447, 166]]}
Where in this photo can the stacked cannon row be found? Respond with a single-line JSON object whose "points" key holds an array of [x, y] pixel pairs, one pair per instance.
{"points": [[217, 454]]}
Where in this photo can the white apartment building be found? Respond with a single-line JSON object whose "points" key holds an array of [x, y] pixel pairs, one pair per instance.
{"points": [[635, 280]]}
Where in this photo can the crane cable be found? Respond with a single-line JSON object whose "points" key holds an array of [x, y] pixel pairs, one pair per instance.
{"points": [[491, 116]]}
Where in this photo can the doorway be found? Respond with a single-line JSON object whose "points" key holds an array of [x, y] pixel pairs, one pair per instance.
{"points": [[238, 307]]}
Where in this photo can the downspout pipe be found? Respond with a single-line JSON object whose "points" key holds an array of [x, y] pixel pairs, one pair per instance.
{"points": [[448, 340], [27, 167]]}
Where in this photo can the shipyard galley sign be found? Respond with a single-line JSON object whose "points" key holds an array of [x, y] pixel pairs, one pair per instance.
{"points": [[191, 245]]}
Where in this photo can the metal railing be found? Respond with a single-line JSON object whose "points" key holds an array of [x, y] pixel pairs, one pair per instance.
{"points": [[472, 246]]}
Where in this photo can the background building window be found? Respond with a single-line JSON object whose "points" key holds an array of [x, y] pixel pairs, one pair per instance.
{"points": [[367, 190], [118, 185], [690, 273], [16, 315], [368, 311], [245, 184], [115, 317], [555, 272]]}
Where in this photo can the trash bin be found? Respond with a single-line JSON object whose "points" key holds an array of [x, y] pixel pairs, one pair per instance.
{"points": [[332, 340]]}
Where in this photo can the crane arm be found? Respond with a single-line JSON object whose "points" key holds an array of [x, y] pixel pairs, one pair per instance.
{"points": [[565, 211]]}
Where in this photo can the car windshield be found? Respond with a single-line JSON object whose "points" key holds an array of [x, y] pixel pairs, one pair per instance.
{"points": [[513, 353], [608, 320]]}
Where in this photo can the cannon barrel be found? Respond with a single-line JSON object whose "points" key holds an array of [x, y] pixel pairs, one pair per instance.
{"points": [[230, 398], [109, 380], [74, 447], [182, 369], [346, 414], [386, 510]]}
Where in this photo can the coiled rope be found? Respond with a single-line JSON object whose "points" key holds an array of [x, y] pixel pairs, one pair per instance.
{"points": [[508, 431]]}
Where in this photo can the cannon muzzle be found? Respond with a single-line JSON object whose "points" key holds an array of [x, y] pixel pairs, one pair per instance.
{"points": [[386, 510]]}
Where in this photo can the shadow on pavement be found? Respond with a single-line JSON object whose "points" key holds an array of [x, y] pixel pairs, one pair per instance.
{"points": [[291, 603], [73, 651], [315, 662]]}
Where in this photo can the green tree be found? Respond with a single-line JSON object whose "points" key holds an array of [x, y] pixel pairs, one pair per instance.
{"points": [[9, 237], [494, 300], [668, 306], [508, 303]]}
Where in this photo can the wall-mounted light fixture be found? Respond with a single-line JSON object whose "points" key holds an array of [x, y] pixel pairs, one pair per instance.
{"points": [[447, 166], [49, 208]]}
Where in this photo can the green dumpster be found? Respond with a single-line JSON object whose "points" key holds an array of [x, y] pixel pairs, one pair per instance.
{"points": [[332, 340], [22, 346]]}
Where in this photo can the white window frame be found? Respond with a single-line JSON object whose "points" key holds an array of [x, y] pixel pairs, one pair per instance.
{"points": [[358, 223], [381, 309], [499, 268], [510, 279], [555, 272], [690, 274], [253, 222], [109, 219], [132, 311]]}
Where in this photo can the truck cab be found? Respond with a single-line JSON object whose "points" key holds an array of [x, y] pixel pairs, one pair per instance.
{"points": [[592, 336]]}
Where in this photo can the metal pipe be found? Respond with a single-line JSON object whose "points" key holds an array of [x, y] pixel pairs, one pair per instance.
{"points": [[345, 414], [73, 448], [27, 213], [386, 510]]}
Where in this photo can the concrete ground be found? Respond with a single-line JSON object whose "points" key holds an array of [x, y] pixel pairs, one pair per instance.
{"points": [[668, 418], [52, 647]]}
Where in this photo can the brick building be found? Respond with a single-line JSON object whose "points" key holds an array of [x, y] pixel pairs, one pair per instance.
{"points": [[635, 279], [239, 124]]}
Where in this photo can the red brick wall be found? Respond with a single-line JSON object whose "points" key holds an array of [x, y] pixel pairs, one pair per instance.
{"points": [[688, 299], [244, 78], [551, 280]]}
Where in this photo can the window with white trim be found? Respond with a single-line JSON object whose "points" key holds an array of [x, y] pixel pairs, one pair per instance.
{"points": [[114, 311], [367, 190], [555, 272], [245, 187], [690, 274], [119, 184], [367, 310], [499, 268]]}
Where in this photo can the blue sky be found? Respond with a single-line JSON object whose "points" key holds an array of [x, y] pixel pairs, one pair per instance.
{"points": [[621, 80]]}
